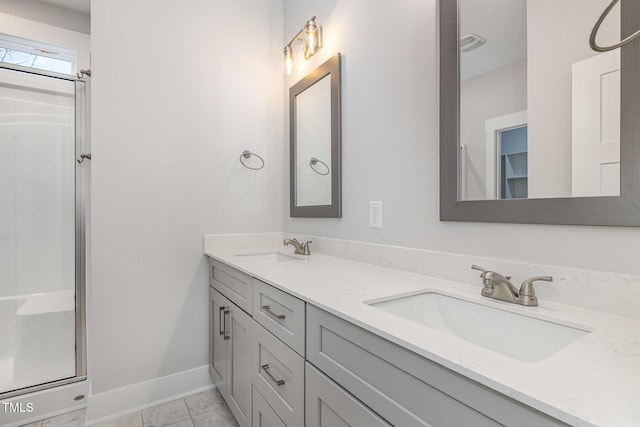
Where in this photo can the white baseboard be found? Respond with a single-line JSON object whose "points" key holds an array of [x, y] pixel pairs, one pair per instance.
{"points": [[136, 397]]}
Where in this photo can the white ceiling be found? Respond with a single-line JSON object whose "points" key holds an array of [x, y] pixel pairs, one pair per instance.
{"points": [[82, 6], [503, 23]]}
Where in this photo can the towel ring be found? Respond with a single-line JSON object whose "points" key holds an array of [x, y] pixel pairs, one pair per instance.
{"points": [[312, 163], [596, 28], [247, 154]]}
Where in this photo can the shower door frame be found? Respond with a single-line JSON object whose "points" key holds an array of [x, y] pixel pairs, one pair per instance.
{"points": [[81, 139]]}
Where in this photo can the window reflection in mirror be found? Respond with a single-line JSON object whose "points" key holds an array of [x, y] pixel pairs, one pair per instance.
{"points": [[528, 65]]}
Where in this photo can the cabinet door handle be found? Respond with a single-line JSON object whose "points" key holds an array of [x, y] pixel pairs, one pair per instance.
{"points": [[224, 325], [267, 309], [220, 330], [266, 371]]}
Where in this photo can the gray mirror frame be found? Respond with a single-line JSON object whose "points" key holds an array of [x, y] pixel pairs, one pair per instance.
{"points": [[617, 211], [334, 210]]}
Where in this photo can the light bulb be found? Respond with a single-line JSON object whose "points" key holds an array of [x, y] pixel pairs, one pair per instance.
{"points": [[288, 60], [311, 43]]}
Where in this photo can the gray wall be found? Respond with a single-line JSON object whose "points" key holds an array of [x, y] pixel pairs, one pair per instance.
{"points": [[47, 14], [390, 145], [487, 96], [180, 89]]}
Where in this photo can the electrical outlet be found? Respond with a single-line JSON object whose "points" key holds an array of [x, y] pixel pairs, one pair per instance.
{"points": [[375, 214]]}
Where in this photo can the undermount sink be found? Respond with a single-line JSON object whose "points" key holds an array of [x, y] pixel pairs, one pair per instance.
{"points": [[522, 337], [270, 257]]}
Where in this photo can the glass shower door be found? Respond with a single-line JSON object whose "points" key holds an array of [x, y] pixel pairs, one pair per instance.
{"points": [[38, 231]]}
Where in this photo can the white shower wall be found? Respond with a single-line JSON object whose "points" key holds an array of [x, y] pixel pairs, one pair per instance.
{"points": [[37, 229], [37, 185]]}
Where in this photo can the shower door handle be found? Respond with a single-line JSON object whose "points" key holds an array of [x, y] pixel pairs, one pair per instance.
{"points": [[83, 157]]}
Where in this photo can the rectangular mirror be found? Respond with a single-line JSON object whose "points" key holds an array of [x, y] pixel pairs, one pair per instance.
{"points": [[536, 127], [314, 108]]}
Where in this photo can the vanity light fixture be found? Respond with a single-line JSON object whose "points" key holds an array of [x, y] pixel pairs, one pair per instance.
{"points": [[311, 35]]}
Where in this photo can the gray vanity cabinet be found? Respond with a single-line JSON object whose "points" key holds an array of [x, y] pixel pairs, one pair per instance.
{"points": [[217, 343], [278, 351], [404, 388], [350, 377], [230, 355], [281, 314], [263, 414], [278, 374], [256, 362], [234, 284], [329, 405]]}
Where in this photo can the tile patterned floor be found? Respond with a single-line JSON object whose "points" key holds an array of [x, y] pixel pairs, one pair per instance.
{"points": [[205, 409]]}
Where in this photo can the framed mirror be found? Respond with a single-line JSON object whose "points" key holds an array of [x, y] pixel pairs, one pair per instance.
{"points": [[536, 126], [315, 132]]}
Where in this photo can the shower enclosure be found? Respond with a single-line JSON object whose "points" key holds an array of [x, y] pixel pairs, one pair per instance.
{"points": [[42, 238]]}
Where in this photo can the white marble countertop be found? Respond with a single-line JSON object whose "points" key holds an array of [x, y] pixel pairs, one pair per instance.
{"points": [[592, 382]]}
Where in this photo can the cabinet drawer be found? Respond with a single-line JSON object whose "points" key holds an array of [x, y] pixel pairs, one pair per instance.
{"points": [[263, 414], [404, 388], [278, 374], [232, 283], [329, 405], [280, 313]]}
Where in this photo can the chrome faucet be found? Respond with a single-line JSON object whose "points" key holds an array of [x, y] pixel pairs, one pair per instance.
{"points": [[300, 249], [499, 287]]}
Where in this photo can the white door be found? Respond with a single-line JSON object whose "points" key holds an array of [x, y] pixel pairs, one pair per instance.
{"points": [[596, 126]]}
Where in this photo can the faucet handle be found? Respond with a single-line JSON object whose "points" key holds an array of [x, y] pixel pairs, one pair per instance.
{"points": [[476, 267], [527, 286], [307, 251], [485, 271], [527, 292]]}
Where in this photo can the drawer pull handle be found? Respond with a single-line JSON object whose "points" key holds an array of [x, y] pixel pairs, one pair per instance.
{"points": [[266, 371], [220, 330], [267, 309], [224, 327]]}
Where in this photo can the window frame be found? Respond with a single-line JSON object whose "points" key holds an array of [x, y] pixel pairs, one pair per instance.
{"points": [[33, 47]]}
